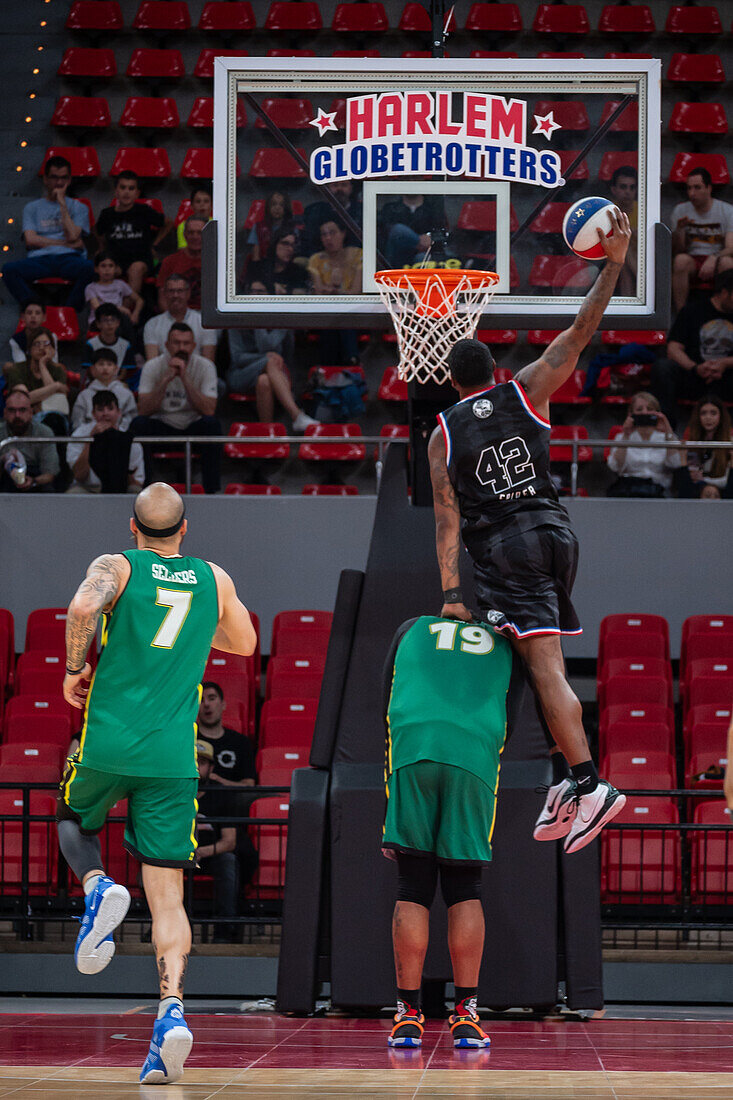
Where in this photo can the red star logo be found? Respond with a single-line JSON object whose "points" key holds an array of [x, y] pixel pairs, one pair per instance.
{"points": [[324, 121], [546, 125]]}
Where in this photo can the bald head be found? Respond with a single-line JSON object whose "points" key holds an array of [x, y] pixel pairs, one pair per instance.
{"points": [[158, 507]]}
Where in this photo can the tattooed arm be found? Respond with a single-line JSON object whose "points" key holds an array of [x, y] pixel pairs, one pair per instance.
{"points": [[105, 579], [541, 378], [447, 525]]}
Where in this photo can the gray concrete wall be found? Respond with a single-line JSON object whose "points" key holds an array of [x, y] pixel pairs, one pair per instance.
{"points": [[667, 557]]}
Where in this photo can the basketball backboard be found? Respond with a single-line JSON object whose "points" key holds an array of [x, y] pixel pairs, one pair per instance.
{"points": [[483, 156]]}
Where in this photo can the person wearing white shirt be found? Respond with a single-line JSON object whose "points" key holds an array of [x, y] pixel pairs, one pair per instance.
{"points": [[702, 236], [644, 471], [176, 293], [177, 396], [105, 418], [104, 370]]}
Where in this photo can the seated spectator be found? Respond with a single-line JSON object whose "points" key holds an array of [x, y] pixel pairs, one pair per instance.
{"points": [[217, 843], [177, 296], [705, 473], [53, 229], [104, 374], [34, 319], [112, 463], [108, 336], [186, 262], [316, 213], [45, 381], [257, 362], [644, 471], [42, 462], [405, 225], [699, 351], [278, 212], [702, 236], [177, 396], [108, 288], [336, 270], [201, 207], [130, 230], [279, 270], [234, 758], [624, 189]]}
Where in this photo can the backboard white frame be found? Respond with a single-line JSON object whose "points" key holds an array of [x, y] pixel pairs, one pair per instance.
{"points": [[354, 76]]}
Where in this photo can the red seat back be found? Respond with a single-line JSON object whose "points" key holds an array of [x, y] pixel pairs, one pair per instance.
{"points": [[712, 856], [642, 866]]}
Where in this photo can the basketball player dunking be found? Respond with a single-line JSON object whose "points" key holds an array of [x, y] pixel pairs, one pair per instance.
{"points": [[162, 613], [490, 469]]}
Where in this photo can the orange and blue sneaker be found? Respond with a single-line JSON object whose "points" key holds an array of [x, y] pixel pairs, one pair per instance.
{"points": [[466, 1027], [409, 1024]]}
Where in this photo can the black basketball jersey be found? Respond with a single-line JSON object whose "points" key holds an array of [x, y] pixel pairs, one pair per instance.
{"points": [[498, 458]]}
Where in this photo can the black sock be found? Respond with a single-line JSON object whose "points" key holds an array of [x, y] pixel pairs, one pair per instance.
{"points": [[408, 999], [586, 776], [465, 993], [560, 769]]}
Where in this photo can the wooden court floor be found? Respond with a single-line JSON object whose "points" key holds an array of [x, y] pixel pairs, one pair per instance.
{"points": [[46, 1056]]}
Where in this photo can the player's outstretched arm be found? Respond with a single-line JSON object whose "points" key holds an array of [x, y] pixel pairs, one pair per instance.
{"points": [[105, 579], [447, 529], [541, 378], [235, 632]]}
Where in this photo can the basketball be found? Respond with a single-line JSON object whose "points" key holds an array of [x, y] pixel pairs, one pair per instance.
{"points": [[580, 223]]}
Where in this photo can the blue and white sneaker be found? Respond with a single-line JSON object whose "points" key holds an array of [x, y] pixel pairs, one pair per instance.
{"points": [[104, 909], [169, 1048]]}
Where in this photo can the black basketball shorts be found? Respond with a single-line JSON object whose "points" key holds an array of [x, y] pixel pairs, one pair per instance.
{"points": [[528, 576]]}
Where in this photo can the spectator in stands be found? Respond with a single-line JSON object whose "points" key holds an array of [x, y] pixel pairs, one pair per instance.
{"points": [[217, 843], [278, 212], [186, 261], [177, 396], [130, 230], [112, 463], [258, 359], [624, 190], [42, 463], [699, 351], [108, 336], [202, 206], [108, 288], [34, 319], [644, 471], [279, 270], [45, 381], [177, 296], [405, 227], [705, 473], [233, 759], [702, 236], [53, 231], [336, 270], [316, 213], [104, 373]]}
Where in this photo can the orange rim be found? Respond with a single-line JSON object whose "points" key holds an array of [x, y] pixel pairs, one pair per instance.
{"points": [[435, 287]]}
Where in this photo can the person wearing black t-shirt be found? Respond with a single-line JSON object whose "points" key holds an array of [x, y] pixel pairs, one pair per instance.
{"points": [[234, 760], [699, 351], [130, 230], [216, 841]]}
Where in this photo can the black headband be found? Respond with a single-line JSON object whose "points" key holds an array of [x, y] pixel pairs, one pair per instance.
{"points": [[158, 533]]}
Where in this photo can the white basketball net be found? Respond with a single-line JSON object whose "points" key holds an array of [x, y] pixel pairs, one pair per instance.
{"points": [[428, 321]]}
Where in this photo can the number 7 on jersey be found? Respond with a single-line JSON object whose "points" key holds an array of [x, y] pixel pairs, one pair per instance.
{"points": [[179, 605]]}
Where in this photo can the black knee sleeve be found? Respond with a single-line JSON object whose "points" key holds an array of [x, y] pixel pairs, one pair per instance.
{"points": [[82, 853], [417, 878], [460, 883]]}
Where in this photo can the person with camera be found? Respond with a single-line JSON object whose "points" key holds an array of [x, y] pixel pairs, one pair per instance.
{"points": [[644, 471]]}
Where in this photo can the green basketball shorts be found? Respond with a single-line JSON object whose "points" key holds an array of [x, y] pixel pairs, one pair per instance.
{"points": [[161, 813], [439, 809]]}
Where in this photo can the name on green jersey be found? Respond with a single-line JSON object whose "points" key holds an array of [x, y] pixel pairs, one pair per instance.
{"points": [[184, 576]]}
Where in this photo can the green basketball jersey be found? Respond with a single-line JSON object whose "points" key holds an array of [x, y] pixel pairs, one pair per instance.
{"points": [[144, 697], [448, 698]]}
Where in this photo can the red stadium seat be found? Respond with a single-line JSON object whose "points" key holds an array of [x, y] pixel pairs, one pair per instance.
{"points": [[313, 490], [611, 161], [632, 645], [499, 336], [150, 113], [204, 67], [621, 55], [277, 776], [639, 737], [715, 163], [558, 271], [630, 715], [288, 114], [632, 621], [693, 20], [698, 118], [707, 645], [81, 113], [626, 123], [42, 847], [162, 15], [291, 53], [708, 667], [289, 15], [38, 728], [300, 673], [37, 668], [706, 745], [712, 626], [634, 770], [63, 322], [494, 19], [639, 690], [631, 671], [276, 164], [34, 753], [349, 451], [703, 714], [561, 19], [280, 756], [651, 337], [567, 157], [480, 217], [570, 391], [627, 19], [550, 218], [541, 337], [94, 15], [562, 451], [179, 486], [392, 388], [146, 64], [289, 709], [714, 689], [26, 711], [46, 628], [642, 866], [363, 18], [571, 114], [83, 160], [201, 117], [300, 642], [286, 732], [415, 20], [238, 693], [274, 450], [227, 15], [241, 489], [299, 620], [271, 844], [712, 856], [147, 163], [198, 164], [695, 68], [87, 63]]}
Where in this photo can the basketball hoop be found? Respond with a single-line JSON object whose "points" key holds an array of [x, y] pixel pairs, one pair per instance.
{"points": [[431, 309]]}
